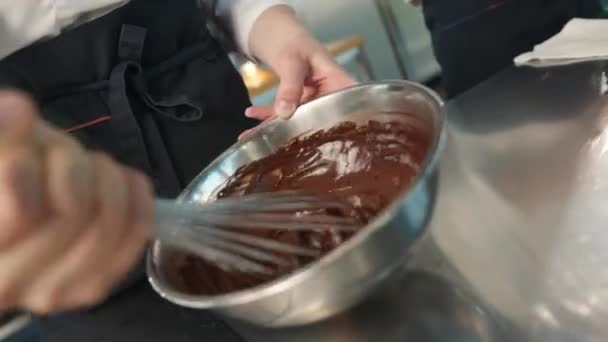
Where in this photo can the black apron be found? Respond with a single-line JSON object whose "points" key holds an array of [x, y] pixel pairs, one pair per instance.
{"points": [[149, 85], [145, 83], [474, 39]]}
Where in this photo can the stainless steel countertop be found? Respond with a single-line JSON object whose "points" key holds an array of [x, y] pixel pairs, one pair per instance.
{"points": [[520, 231]]}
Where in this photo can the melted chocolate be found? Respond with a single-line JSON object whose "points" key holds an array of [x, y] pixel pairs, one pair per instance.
{"points": [[365, 166]]}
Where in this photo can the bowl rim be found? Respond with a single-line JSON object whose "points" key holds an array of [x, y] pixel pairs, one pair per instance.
{"points": [[284, 282]]}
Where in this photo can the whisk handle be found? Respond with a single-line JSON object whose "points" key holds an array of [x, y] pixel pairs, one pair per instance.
{"points": [[169, 218]]}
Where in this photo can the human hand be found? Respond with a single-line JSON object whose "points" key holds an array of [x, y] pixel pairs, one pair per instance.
{"points": [[72, 223], [304, 67]]}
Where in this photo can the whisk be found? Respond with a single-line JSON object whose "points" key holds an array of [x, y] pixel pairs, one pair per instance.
{"points": [[218, 231]]}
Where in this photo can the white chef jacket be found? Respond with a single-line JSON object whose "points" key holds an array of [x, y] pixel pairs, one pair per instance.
{"points": [[23, 22]]}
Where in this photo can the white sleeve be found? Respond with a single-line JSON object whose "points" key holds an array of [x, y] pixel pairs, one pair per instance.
{"points": [[23, 22], [240, 15]]}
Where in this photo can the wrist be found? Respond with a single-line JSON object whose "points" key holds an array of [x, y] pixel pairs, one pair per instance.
{"points": [[278, 32]]}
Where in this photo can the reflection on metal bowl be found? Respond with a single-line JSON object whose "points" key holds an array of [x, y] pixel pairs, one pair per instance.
{"points": [[434, 310], [413, 305], [346, 275]]}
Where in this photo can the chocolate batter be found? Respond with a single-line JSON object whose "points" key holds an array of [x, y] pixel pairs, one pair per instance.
{"points": [[365, 166]]}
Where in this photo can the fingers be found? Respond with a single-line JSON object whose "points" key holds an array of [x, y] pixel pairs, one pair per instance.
{"points": [[71, 223], [304, 75], [260, 112], [119, 254], [70, 175], [20, 167], [22, 183], [328, 75], [66, 190], [133, 243], [324, 65], [292, 73], [111, 242], [18, 114], [335, 80]]}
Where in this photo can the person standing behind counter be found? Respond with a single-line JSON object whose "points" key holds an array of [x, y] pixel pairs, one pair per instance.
{"points": [[474, 39], [145, 85]]}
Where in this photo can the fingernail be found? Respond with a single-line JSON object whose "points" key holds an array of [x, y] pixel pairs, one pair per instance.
{"points": [[285, 109], [248, 112]]}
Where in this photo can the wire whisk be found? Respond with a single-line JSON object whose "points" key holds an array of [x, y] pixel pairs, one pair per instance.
{"points": [[219, 231]]}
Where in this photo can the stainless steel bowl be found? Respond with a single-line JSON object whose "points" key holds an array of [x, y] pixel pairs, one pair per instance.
{"points": [[345, 276]]}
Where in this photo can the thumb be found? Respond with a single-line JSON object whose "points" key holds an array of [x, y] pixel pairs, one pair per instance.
{"points": [[18, 114], [291, 88]]}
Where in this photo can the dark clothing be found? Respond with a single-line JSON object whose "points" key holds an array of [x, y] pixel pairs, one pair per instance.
{"points": [[149, 85], [137, 314], [168, 109], [474, 39]]}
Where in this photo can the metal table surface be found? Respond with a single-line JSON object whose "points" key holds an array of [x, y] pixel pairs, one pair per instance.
{"points": [[518, 244]]}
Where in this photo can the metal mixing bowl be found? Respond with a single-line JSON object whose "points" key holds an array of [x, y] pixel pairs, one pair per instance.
{"points": [[345, 276]]}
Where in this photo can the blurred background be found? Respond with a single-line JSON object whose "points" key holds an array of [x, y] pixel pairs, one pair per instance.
{"points": [[372, 39]]}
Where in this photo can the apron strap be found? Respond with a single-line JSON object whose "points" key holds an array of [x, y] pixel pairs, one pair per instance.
{"points": [[131, 43], [124, 124], [128, 77]]}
